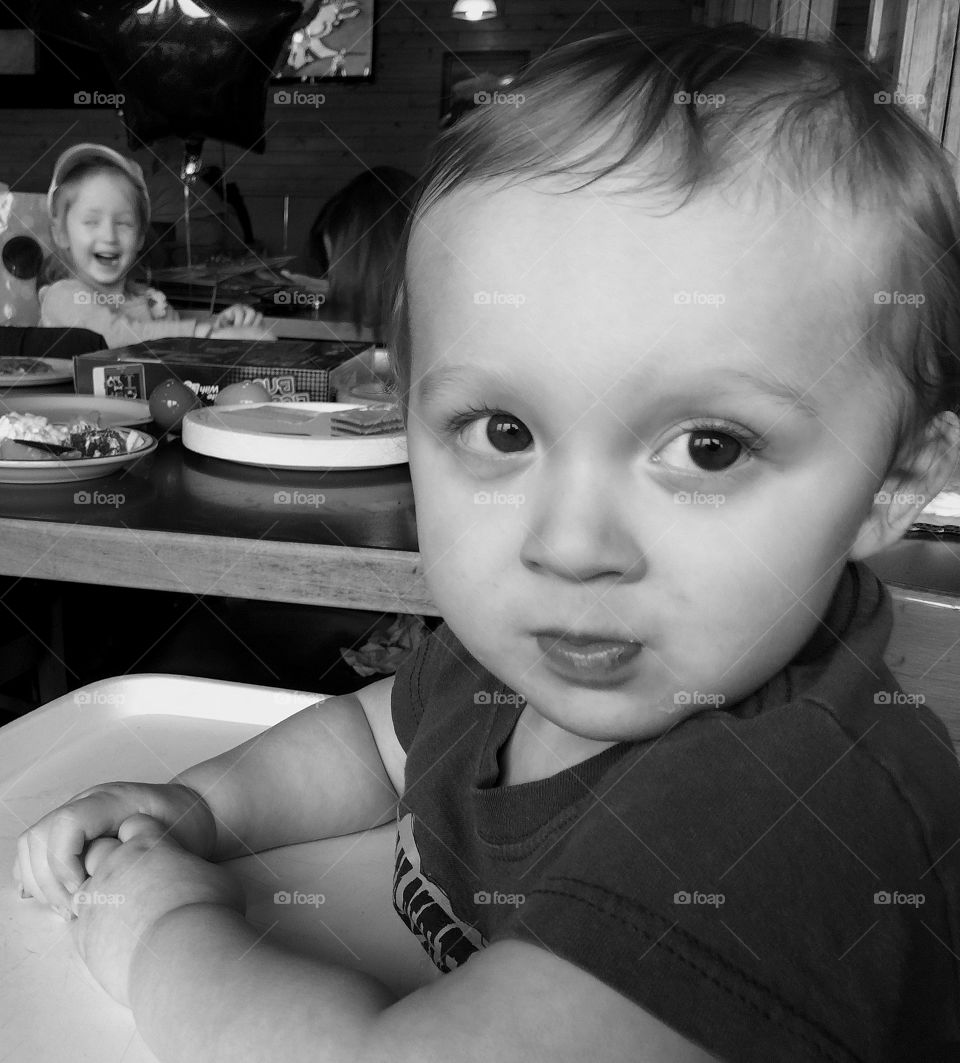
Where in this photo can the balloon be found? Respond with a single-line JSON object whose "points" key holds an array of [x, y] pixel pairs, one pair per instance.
{"points": [[24, 241], [187, 68]]}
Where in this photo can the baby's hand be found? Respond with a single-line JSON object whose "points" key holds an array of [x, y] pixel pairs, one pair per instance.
{"points": [[134, 882], [237, 316], [51, 854]]}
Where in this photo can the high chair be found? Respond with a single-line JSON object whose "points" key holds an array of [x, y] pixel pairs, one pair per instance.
{"points": [[924, 652]]}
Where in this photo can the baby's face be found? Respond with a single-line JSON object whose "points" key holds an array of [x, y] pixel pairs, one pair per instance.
{"points": [[642, 447]]}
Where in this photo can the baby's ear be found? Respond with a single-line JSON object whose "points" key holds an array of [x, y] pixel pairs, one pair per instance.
{"points": [[914, 479]]}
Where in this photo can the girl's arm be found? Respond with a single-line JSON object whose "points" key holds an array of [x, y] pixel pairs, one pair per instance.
{"points": [[69, 304]]}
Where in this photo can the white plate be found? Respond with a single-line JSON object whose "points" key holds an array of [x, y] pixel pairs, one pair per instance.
{"points": [[59, 370], [287, 435], [60, 409], [57, 471]]}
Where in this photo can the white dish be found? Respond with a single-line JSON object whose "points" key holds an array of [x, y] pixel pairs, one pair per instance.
{"points": [[57, 471], [58, 370], [287, 435], [61, 409]]}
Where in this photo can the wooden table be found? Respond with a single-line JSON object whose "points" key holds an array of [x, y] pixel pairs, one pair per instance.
{"points": [[180, 522]]}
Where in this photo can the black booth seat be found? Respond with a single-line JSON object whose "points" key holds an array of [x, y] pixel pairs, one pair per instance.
{"points": [[26, 342]]}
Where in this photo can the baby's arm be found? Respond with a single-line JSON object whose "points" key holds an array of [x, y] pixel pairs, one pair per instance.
{"points": [[332, 768]]}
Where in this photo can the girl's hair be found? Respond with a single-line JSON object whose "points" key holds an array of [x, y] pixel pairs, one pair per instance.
{"points": [[743, 112], [68, 189], [364, 224]]}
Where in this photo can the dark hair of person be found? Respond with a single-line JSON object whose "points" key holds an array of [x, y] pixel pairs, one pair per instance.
{"points": [[364, 224], [742, 112]]}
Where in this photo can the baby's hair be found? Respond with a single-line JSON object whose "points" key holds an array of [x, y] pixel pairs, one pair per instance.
{"points": [[69, 187], [738, 111], [364, 223]]}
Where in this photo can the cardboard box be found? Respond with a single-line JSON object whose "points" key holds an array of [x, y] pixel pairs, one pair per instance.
{"points": [[291, 370]]}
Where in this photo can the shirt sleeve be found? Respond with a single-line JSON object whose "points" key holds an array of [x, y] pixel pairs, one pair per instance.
{"points": [[68, 304]]}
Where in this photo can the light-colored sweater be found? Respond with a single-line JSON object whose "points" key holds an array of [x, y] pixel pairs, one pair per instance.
{"points": [[137, 315]]}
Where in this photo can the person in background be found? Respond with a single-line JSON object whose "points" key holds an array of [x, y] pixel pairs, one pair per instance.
{"points": [[219, 222], [353, 244], [100, 217], [658, 796]]}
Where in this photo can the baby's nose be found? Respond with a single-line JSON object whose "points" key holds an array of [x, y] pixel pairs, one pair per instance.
{"points": [[579, 526]]}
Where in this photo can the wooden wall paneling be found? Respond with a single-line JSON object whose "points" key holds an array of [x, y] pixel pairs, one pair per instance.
{"points": [[813, 19], [885, 25], [926, 59]]}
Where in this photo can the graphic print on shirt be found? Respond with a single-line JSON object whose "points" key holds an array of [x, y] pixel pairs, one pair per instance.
{"points": [[426, 909]]}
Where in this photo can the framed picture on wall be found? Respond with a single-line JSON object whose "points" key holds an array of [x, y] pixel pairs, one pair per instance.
{"points": [[333, 41], [40, 69], [467, 75]]}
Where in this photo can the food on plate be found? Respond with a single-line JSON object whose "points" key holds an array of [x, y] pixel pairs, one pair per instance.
{"points": [[13, 366], [32, 426], [367, 421], [84, 437], [12, 450]]}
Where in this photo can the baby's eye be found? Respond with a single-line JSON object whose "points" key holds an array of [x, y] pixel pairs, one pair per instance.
{"points": [[502, 431], [708, 450]]}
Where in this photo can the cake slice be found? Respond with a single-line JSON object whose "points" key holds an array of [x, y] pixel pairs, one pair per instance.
{"points": [[367, 421]]}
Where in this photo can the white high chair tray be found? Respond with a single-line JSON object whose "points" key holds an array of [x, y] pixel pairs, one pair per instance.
{"points": [[16, 373], [149, 727]]}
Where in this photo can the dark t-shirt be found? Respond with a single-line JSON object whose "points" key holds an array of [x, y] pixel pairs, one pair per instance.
{"points": [[777, 880]]}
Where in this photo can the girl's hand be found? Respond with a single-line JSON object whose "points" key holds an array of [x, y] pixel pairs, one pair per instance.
{"points": [[134, 882], [237, 316], [51, 855], [251, 332]]}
